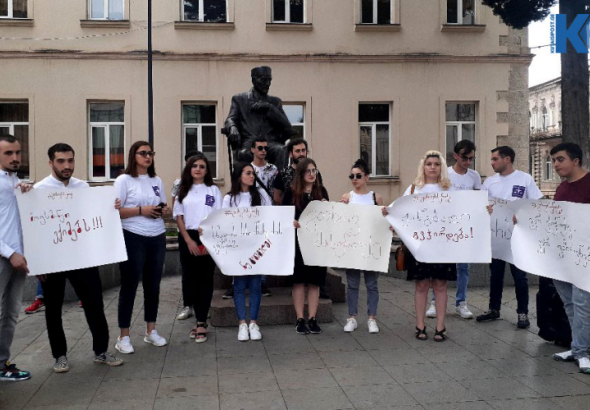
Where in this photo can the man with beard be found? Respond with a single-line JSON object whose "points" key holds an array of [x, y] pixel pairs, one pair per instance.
{"points": [[86, 282], [13, 265]]}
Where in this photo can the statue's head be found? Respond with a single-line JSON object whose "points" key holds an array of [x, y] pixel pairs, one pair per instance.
{"points": [[261, 79]]}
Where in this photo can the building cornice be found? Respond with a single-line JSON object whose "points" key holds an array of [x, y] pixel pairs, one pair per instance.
{"points": [[323, 57]]}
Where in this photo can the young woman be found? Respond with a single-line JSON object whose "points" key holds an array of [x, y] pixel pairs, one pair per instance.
{"points": [[304, 189], [360, 195], [197, 197], [244, 193], [143, 203]]}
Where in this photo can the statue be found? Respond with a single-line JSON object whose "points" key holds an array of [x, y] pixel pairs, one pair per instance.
{"points": [[255, 113]]}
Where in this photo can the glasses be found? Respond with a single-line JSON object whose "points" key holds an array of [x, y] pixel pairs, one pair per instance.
{"points": [[467, 159], [199, 166], [311, 171], [356, 176], [146, 153], [262, 148]]}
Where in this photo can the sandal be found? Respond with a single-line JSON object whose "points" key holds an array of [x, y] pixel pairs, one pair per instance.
{"points": [[201, 337], [421, 333], [439, 336]]}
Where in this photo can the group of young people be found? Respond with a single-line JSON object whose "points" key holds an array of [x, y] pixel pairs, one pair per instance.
{"points": [[142, 204]]}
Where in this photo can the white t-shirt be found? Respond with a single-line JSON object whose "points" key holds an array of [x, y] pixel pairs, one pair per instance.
{"points": [[141, 191], [427, 189], [266, 173], [200, 201], [366, 199], [468, 181], [52, 182], [244, 199], [517, 185]]}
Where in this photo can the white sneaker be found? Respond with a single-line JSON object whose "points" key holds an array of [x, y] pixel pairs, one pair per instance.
{"points": [[124, 345], [564, 356], [155, 339], [584, 364], [350, 325], [185, 313], [431, 312], [254, 332], [373, 328], [243, 334], [464, 311]]}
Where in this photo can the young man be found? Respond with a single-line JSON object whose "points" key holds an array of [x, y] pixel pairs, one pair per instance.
{"points": [[86, 282], [463, 178], [567, 161], [13, 265], [508, 184]]}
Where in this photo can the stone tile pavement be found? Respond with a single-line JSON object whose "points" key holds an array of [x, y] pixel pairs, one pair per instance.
{"points": [[481, 366]]}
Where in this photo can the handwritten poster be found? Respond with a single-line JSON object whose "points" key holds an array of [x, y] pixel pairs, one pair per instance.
{"points": [[251, 241], [344, 236], [70, 229], [551, 239], [444, 227], [501, 227]]}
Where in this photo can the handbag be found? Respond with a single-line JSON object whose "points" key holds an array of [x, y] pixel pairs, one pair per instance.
{"points": [[401, 253]]}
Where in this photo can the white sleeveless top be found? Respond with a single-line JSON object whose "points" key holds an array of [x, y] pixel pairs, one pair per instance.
{"points": [[366, 199]]}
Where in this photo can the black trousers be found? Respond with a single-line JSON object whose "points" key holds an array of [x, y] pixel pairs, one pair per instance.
{"points": [[199, 271], [88, 287]]}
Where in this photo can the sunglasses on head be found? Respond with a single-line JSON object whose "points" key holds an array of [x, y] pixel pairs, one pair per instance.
{"points": [[146, 153], [356, 176]]}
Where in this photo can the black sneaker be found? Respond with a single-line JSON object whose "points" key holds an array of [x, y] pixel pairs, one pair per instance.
{"points": [[229, 294], [11, 373], [523, 321], [313, 326], [301, 329], [491, 314], [265, 290]]}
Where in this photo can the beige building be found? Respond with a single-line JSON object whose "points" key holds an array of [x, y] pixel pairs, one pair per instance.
{"points": [[380, 79]]}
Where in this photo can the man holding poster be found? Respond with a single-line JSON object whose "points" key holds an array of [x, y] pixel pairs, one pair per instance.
{"points": [[508, 184]]}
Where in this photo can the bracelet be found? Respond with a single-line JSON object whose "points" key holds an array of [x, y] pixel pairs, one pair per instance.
{"points": [[140, 209]]}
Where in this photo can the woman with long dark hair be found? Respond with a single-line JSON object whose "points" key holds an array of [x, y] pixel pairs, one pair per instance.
{"points": [[244, 193], [197, 197], [143, 203], [306, 188]]}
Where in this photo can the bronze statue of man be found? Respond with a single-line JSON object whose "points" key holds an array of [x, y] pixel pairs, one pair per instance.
{"points": [[255, 113]]}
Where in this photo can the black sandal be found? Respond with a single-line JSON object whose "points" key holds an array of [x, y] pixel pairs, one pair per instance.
{"points": [[420, 332], [441, 335], [201, 337]]}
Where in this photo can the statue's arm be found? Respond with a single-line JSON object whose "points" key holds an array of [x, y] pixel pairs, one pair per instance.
{"points": [[277, 116], [233, 116]]}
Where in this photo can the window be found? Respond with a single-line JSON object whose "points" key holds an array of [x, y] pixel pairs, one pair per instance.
{"points": [[288, 11], [548, 168], [374, 126], [210, 11], [199, 131], [461, 12], [13, 9], [107, 140], [544, 119], [14, 120], [296, 115], [106, 9], [460, 125], [376, 11]]}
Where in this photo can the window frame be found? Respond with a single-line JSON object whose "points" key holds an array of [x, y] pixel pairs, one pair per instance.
{"points": [[376, 14], [287, 13], [373, 125], [460, 13], [107, 142], [459, 124], [299, 124], [11, 126], [548, 168], [199, 128], [202, 13], [106, 11], [10, 12]]}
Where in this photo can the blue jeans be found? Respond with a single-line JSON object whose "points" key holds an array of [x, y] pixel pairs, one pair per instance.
{"points": [[521, 286], [253, 282], [39, 291], [577, 306], [462, 282], [353, 279]]}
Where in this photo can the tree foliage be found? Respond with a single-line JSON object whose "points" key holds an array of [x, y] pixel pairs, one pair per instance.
{"points": [[520, 13]]}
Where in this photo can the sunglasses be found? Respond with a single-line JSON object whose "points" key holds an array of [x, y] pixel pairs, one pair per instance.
{"points": [[262, 148], [356, 176], [199, 166], [468, 159], [146, 153], [311, 171]]}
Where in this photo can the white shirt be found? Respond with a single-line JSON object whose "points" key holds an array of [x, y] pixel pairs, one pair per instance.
{"points": [[366, 199], [266, 173], [517, 185], [200, 201], [244, 199], [468, 181], [11, 234], [427, 189], [141, 191], [52, 182]]}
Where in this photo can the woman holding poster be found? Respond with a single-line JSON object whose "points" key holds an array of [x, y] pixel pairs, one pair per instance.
{"points": [[360, 195], [306, 188], [432, 177], [244, 193], [197, 197], [143, 202]]}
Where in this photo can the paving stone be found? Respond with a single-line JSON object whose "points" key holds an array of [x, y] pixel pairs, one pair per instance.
{"points": [[269, 400], [207, 402], [369, 397], [440, 392], [187, 386], [417, 373], [125, 390], [248, 383], [525, 404], [305, 379], [361, 376], [572, 402], [332, 398], [505, 388], [555, 385]]}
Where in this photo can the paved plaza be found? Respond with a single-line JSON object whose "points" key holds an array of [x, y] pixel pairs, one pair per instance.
{"points": [[481, 366]]}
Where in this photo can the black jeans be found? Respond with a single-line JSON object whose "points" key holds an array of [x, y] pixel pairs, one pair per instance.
{"points": [[521, 286], [145, 262], [199, 272], [88, 287]]}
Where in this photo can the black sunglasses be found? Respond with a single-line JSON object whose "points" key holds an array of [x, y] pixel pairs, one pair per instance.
{"points": [[262, 148], [357, 176], [146, 153]]}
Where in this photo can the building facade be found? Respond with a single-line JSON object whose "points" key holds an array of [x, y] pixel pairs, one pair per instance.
{"points": [[384, 80]]}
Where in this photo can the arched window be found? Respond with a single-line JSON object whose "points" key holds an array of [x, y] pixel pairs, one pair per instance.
{"points": [[544, 119], [548, 168]]}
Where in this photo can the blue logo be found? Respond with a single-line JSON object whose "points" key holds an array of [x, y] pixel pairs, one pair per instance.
{"points": [[518, 191], [209, 200], [578, 33], [156, 190]]}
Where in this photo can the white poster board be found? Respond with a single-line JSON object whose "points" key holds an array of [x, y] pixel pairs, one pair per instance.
{"points": [[251, 241], [551, 239], [344, 236], [72, 229], [501, 227], [444, 227]]}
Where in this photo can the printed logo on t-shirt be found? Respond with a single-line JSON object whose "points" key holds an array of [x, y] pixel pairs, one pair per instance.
{"points": [[209, 200], [518, 191], [156, 190]]}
